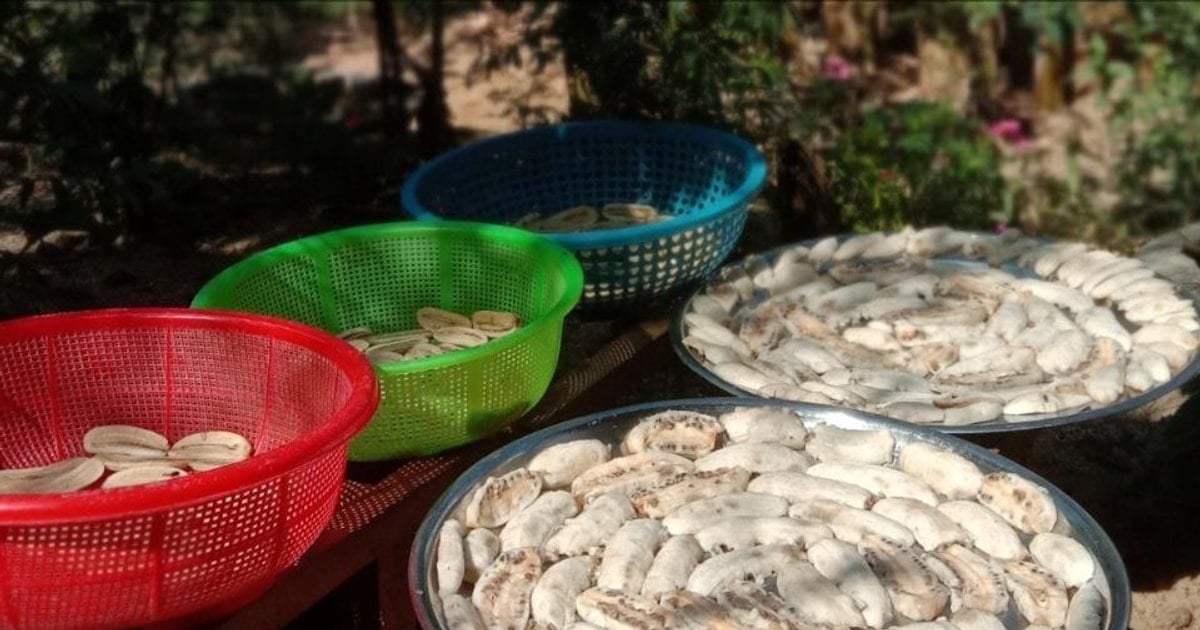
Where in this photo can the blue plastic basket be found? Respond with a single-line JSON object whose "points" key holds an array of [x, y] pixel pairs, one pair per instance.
{"points": [[704, 177]]}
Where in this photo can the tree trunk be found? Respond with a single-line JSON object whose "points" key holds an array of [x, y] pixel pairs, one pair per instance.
{"points": [[433, 116], [1048, 77], [391, 72], [1016, 54], [578, 26], [807, 209]]}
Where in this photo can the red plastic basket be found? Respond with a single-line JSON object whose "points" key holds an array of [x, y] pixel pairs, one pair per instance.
{"points": [[143, 555]]}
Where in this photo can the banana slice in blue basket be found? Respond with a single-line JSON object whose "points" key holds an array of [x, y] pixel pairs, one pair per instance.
{"points": [[574, 219], [630, 213]]}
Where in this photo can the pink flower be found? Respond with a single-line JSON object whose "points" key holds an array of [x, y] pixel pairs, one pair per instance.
{"points": [[1011, 131], [836, 68], [1000, 228]]}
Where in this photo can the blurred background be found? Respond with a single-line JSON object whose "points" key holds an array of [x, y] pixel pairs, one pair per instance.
{"points": [[147, 145]]}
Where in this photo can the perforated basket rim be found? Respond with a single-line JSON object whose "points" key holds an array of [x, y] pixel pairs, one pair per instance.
{"points": [[751, 185], [119, 503], [566, 263]]}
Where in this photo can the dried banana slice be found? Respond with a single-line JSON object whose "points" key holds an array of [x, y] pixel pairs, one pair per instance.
{"points": [[69, 475], [971, 619], [450, 564], [628, 555], [853, 445], [732, 534], [553, 599], [534, 524], [879, 480], [531, 221], [988, 532], [684, 433], [1040, 597], [816, 599], [560, 464], [480, 548], [665, 497], [207, 450], [398, 343], [758, 563], [764, 424], [915, 590], [503, 592], [852, 524], [1024, 504], [420, 351], [756, 457], [432, 318], [950, 474], [460, 613], [629, 473], [840, 563], [125, 441], [692, 517], [122, 445], [982, 583], [495, 323], [1063, 557], [1087, 608], [672, 565], [629, 213], [753, 607], [501, 498], [459, 337], [141, 475], [380, 356], [594, 525], [931, 528], [613, 609], [798, 487], [353, 334], [574, 219], [694, 612]]}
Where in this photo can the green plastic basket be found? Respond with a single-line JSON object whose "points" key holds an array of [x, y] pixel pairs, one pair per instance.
{"points": [[379, 275]]}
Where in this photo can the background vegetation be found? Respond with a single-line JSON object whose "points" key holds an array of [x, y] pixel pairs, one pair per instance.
{"points": [[167, 122]]}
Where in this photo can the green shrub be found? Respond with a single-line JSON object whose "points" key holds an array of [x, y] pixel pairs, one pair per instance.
{"points": [[915, 163]]}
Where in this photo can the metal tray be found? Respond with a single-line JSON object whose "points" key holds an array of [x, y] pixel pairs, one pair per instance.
{"points": [[755, 262], [610, 426]]}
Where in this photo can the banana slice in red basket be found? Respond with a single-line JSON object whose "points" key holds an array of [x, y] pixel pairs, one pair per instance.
{"points": [[210, 449], [120, 446], [68, 475], [141, 475]]}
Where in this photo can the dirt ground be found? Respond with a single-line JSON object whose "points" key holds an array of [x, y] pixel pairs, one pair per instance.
{"points": [[1138, 475]]}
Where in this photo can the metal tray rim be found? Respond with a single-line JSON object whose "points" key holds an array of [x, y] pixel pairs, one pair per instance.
{"points": [[1189, 371], [1086, 528]]}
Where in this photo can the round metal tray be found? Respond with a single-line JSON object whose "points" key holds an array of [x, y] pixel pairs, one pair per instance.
{"points": [[755, 262], [611, 426]]}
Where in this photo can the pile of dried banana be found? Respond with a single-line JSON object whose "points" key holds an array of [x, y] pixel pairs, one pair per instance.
{"points": [[440, 331], [583, 218], [942, 327], [757, 519], [133, 455]]}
